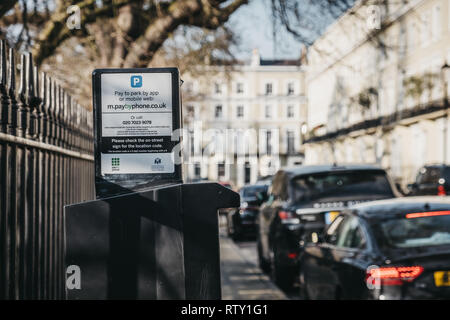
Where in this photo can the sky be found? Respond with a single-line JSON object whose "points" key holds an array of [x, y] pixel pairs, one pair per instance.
{"points": [[253, 24]]}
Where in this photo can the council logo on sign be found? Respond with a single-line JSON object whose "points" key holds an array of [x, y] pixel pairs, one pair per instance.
{"points": [[115, 164], [157, 165], [136, 81]]}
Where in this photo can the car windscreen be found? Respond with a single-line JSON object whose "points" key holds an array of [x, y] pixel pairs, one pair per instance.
{"points": [[430, 175], [413, 230], [251, 192], [372, 183]]}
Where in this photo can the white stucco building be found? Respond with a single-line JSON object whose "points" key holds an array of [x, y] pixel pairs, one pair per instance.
{"points": [[253, 113], [375, 87]]}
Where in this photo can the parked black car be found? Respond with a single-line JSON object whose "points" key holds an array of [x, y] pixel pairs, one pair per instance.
{"points": [[388, 249], [241, 222], [431, 180], [301, 201]]}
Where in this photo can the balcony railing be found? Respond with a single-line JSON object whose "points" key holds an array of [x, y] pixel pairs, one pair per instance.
{"points": [[385, 121]]}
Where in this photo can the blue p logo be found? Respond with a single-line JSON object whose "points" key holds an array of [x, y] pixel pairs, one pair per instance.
{"points": [[136, 81]]}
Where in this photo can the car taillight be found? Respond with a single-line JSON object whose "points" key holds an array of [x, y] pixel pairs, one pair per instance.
{"points": [[292, 255], [427, 214], [441, 191], [393, 276], [284, 215]]}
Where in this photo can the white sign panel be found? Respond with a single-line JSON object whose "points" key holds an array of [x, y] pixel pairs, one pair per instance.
{"points": [[136, 123]]}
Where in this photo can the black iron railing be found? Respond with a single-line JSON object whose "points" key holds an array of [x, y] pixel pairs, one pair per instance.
{"points": [[46, 147]]}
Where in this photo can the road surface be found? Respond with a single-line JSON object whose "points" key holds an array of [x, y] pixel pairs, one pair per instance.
{"points": [[241, 277], [240, 274]]}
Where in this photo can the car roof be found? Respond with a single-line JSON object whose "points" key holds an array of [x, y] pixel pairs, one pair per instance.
{"points": [[311, 169], [252, 186], [262, 183], [400, 206], [435, 166]]}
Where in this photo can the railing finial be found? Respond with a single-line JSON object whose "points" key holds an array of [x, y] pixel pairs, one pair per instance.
{"points": [[11, 73], [3, 64], [31, 92], [23, 78]]}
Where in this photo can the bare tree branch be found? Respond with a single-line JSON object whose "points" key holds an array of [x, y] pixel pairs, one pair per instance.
{"points": [[6, 5], [307, 19], [190, 12], [119, 33], [56, 31]]}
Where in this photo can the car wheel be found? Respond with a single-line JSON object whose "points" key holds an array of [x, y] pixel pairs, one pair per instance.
{"points": [[236, 236], [229, 232], [281, 276], [303, 292], [338, 294], [263, 263]]}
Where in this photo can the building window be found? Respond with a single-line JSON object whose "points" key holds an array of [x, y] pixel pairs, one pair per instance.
{"points": [[217, 88], [239, 111], [192, 142], [239, 88], [218, 112], [290, 88], [197, 170], [290, 111], [412, 36], [436, 26], [221, 169], [247, 172], [189, 87], [425, 29], [268, 112], [269, 142], [290, 138], [269, 89], [190, 112]]}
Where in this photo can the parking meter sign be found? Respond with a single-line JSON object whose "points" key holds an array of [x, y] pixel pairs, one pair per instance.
{"points": [[136, 113], [136, 122], [136, 81]]}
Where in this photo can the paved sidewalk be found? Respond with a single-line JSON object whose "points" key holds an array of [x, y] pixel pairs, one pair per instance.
{"points": [[241, 277]]}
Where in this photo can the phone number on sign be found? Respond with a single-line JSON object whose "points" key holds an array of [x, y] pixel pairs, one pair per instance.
{"points": [[137, 122]]}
